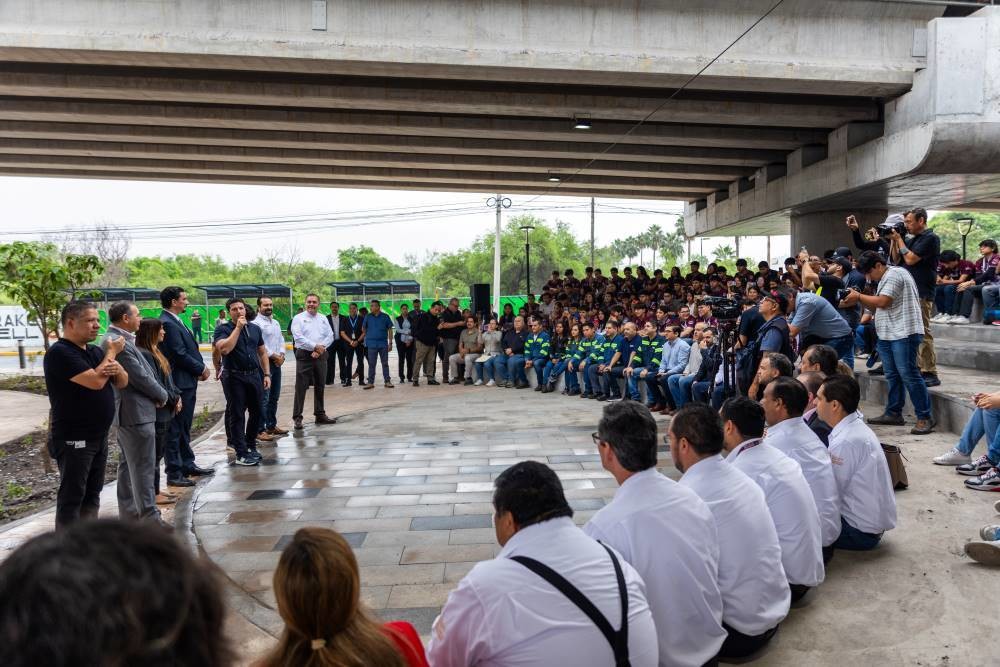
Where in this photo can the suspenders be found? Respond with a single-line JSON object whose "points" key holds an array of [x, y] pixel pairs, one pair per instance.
{"points": [[618, 640]]}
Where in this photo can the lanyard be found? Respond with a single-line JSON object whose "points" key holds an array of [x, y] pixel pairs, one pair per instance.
{"points": [[749, 445]]}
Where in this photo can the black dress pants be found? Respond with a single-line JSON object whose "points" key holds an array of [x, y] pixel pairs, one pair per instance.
{"points": [[81, 477], [739, 645], [244, 393]]}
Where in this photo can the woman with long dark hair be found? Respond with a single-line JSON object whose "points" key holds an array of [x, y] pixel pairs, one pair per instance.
{"points": [[147, 340], [318, 591]]}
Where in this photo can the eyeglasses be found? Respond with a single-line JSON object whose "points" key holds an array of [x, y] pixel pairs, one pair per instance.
{"points": [[596, 437]]}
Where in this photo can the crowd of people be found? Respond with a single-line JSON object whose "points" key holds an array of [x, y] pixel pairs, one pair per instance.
{"points": [[779, 469]]}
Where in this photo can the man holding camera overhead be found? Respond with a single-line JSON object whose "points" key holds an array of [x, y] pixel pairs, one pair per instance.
{"points": [[918, 253]]}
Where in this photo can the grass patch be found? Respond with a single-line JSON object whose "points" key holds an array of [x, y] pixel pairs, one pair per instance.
{"points": [[33, 384]]}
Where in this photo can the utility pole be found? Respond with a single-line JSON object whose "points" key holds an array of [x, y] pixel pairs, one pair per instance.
{"points": [[499, 203], [591, 231], [769, 249], [737, 246]]}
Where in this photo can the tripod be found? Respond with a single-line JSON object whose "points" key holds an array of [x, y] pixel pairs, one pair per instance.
{"points": [[727, 342]]}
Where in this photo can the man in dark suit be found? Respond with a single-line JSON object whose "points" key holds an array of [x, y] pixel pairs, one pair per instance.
{"points": [[187, 369], [812, 381], [336, 350]]}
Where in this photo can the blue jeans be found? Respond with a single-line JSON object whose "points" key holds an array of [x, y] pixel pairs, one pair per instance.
{"points": [[852, 539], [539, 364], [680, 389], [982, 422], [701, 391], [845, 349], [553, 370], [572, 369], [378, 353], [944, 298], [632, 385], [899, 360], [269, 402], [493, 368], [515, 369]]}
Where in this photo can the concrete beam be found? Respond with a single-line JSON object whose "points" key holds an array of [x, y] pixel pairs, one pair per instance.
{"points": [[465, 98], [538, 166], [728, 157], [192, 177], [483, 181], [619, 42], [373, 122]]}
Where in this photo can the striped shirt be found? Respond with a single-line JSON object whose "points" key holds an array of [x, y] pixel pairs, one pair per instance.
{"points": [[903, 316]]}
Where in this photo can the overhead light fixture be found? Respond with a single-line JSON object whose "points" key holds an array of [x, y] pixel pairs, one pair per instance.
{"points": [[554, 178], [582, 122]]}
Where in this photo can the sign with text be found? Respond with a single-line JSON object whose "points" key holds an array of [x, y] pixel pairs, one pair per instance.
{"points": [[14, 326]]}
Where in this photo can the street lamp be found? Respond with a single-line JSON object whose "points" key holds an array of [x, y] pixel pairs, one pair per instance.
{"points": [[527, 257], [965, 226]]}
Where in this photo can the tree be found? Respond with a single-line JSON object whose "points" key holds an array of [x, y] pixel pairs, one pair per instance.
{"points": [[655, 239], [673, 247], [108, 242], [38, 276], [363, 263], [725, 252], [945, 225]]}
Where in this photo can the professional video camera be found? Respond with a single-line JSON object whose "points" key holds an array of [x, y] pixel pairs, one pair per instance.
{"points": [[884, 230], [723, 308]]}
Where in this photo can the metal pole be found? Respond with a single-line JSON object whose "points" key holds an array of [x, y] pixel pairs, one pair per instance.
{"points": [[591, 231], [527, 263], [769, 249], [737, 246], [22, 358], [499, 203]]}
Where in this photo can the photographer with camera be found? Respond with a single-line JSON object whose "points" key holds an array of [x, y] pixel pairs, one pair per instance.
{"points": [[900, 329], [918, 253]]}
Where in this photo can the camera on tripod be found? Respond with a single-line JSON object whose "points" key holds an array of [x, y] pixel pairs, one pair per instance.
{"points": [[723, 308]]}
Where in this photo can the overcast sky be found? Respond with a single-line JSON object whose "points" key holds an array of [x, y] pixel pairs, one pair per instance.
{"points": [[161, 217]]}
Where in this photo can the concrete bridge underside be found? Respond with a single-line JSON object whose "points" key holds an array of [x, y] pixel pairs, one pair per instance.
{"points": [[826, 105]]}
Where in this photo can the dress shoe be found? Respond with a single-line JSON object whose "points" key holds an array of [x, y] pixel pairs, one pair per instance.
{"points": [[877, 371], [163, 499], [433, 382], [389, 385], [323, 419], [887, 419], [369, 386], [931, 379], [195, 471], [277, 431], [180, 481], [416, 383], [264, 436], [298, 423], [923, 427], [656, 408], [469, 381], [453, 381], [539, 388]]}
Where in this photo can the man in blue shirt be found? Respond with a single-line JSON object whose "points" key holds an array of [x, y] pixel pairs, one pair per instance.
{"points": [[673, 360], [816, 321], [377, 330], [244, 361]]}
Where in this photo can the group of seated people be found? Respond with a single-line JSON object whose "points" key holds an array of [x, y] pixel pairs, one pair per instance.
{"points": [[688, 572]]}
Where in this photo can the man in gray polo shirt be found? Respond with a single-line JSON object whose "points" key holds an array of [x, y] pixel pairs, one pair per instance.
{"points": [[900, 329], [816, 321]]}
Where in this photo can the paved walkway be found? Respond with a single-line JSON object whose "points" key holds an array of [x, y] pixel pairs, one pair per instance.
{"points": [[407, 474], [21, 413]]}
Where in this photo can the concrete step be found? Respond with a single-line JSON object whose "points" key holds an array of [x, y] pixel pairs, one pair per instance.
{"points": [[972, 333], [951, 403], [964, 354]]}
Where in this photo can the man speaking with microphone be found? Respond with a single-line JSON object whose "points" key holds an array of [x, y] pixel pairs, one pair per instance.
{"points": [[244, 357]]}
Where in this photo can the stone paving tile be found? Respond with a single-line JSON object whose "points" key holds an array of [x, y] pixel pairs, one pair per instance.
{"points": [[407, 538], [394, 481], [382, 501], [452, 522], [448, 553], [282, 494], [382, 575], [473, 508], [376, 597], [473, 536], [422, 618], [415, 510], [453, 572], [419, 595]]}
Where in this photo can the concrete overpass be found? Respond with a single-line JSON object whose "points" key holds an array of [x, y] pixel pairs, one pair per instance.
{"points": [[826, 105]]}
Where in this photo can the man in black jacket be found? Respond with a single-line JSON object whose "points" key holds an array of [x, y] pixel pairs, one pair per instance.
{"points": [[426, 333], [188, 368], [352, 339], [336, 350]]}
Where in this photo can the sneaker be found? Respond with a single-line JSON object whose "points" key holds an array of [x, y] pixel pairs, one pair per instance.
{"points": [[990, 532], [923, 427], [975, 468], [479, 383], [939, 318], [995, 323], [255, 454], [931, 379], [453, 381], [369, 386], [959, 319], [389, 385], [539, 387], [468, 381], [952, 458], [987, 553], [996, 507], [988, 481], [887, 419], [245, 461], [491, 383], [432, 382]]}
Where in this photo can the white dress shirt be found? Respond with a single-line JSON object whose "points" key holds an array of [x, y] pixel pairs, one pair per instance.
{"points": [[667, 533], [799, 442], [792, 508], [309, 330], [502, 613], [274, 341], [867, 500], [755, 594]]}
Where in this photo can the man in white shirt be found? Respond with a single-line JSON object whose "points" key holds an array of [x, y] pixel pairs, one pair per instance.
{"points": [[783, 403], [811, 380], [867, 501], [786, 492], [755, 594], [664, 531], [274, 343], [509, 611], [311, 335]]}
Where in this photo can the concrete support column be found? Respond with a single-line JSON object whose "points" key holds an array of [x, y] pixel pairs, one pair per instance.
{"points": [[826, 230]]}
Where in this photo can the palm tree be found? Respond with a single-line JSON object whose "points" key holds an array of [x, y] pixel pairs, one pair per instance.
{"points": [[655, 238], [672, 246], [633, 248], [725, 252]]}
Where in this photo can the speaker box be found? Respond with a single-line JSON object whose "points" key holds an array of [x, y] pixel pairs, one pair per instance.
{"points": [[481, 299]]}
